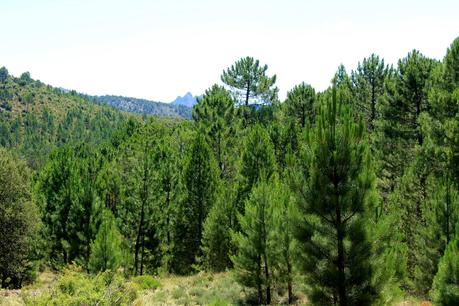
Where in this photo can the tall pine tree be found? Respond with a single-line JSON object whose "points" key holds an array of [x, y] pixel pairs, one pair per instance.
{"points": [[333, 193]]}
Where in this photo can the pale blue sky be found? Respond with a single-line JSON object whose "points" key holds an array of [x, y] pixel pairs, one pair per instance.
{"points": [[160, 49]]}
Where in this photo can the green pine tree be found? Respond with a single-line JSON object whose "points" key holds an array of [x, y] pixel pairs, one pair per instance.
{"points": [[200, 178], [441, 215], [301, 104], [216, 240], [258, 161], [334, 193], [445, 288], [215, 116], [252, 262], [368, 85], [250, 84], [106, 253], [285, 215]]}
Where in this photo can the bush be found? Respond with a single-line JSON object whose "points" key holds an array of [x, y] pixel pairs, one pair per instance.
{"points": [[146, 282], [75, 287]]}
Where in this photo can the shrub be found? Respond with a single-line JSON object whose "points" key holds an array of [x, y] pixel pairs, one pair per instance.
{"points": [[146, 282], [75, 287]]}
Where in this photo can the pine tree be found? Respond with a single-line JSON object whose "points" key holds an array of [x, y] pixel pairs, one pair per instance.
{"points": [[285, 138], [106, 251], [258, 161], [300, 104], [285, 216], [333, 193], [216, 240], [451, 66], [252, 262], [169, 194], [441, 215], [215, 116], [445, 289], [368, 81], [3, 75], [137, 170], [406, 100], [200, 177], [250, 84]]}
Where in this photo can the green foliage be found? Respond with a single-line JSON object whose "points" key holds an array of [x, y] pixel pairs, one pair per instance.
{"points": [[212, 193], [368, 81], [3, 74], [408, 98], [106, 253], [24, 79], [451, 66], [169, 195], [215, 116], [252, 262], [146, 282], [66, 194], [35, 119], [258, 161], [301, 104], [216, 240], [249, 82], [74, 287], [137, 213], [286, 140], [19, 223], [200, 178], [285, 217], [334, 193], [445, 288], [441, 215]]}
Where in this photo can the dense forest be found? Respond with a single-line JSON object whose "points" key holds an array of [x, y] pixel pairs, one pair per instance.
{"points": [[347, 196]]}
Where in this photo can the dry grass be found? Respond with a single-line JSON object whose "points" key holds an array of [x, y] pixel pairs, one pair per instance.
{"points": [[42, 283], [200, 289]]}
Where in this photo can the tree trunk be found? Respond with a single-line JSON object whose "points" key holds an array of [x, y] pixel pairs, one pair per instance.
{"points": [[268, 286], [303, 116], [341, 286], [373, 106], [289, 283], [142, 252], [247, 94], [143, 198], [260, 291], [448, 212], [138, 241]]}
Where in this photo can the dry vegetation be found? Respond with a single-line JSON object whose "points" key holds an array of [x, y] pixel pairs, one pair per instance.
{"points": [[198, 289]]}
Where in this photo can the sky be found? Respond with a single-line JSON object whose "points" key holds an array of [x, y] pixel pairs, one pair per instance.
{"points": [[160, 49]]}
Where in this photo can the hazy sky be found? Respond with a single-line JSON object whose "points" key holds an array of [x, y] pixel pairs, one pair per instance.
{"points": [[159, 49]]}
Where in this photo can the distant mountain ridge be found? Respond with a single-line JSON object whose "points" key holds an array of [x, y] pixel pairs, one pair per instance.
{"points": [[187, 100], [144, 106]]}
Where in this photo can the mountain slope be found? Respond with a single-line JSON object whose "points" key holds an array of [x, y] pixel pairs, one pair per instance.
{"points": [[143, 106], [35, 118]]}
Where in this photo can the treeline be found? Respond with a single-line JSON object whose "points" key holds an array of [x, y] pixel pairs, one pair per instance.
{"points": [[350, 194]]}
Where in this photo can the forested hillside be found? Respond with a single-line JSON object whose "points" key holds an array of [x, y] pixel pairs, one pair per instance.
{"points": [[343, 197], [143, 106], [35, 118]]}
